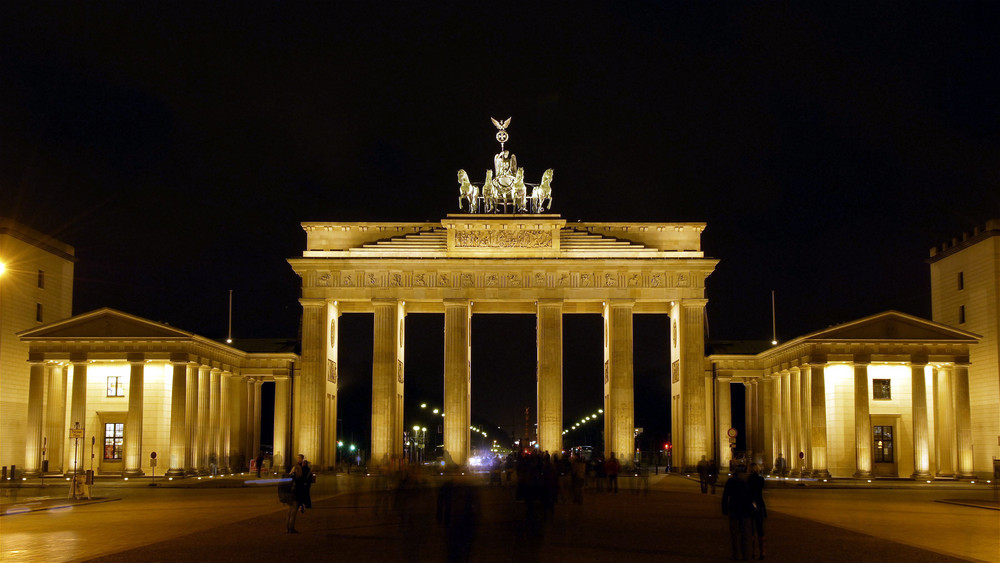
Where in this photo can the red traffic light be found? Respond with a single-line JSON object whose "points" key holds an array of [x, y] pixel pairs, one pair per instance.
{"points": [[667, 446]]}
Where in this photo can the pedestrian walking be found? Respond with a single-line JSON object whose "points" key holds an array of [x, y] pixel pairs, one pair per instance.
{"points": [[737, 504], [756, 484], [611, 469], [713, 474], [779, 466], [703, 474], [259, 462], [299, 499]]}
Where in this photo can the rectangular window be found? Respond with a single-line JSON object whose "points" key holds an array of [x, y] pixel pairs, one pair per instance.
{"points": [[114, 440], [961, 280], [38, 312], [882, 440], [41, 279], [961, 314], [115, 387], [881, 389]]}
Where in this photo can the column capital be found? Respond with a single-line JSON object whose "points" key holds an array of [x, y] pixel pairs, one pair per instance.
{"points": [[78, 358], [549, 302], [918, 360], [135, 357], [624, 303], [692, 303], [961, 361], [385, 301], [456, 302], [815, 360], [862, 359]]}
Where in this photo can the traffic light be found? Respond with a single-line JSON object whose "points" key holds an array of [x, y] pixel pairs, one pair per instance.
{"points": [[668, 446]]}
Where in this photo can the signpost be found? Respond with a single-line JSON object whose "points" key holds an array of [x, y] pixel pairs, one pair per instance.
{"points": [[76, 433], [152, 467]]}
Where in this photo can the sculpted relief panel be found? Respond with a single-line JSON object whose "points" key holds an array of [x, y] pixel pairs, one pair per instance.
{"points": [[504, 279], [503, 239]]}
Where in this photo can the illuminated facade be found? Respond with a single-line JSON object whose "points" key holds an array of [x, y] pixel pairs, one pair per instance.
{"points": [[494, 264], [135, 387], [883, 396], [965, 293], [36, 286]]}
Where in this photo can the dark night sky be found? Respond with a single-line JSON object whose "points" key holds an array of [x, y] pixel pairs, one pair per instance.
{"points": [[178, 149]]}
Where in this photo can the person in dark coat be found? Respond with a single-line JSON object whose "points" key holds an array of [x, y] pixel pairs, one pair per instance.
{"points": [[738, 505], [756, 484], [703, 474], [301, 475]]}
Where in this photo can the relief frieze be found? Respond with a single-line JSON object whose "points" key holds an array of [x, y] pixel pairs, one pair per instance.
{"points": [[503, 239]]}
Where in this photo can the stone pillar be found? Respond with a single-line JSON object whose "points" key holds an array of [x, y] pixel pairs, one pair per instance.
{"points": [[215, 419], [310, 398], [818, 435], [332, 385], [78, 408], [387, 382], [133, 420], [777, 443], [862, 418], [750, 413], [723, 419], [921, 438], [282, 408], [786, 420], [255, 419], [178, 417], [206, 431], [33, 439], [963, 419], [765, 401], [944, 424], [795, 421], [55, 419], [696, 441], [238, 432], [225, 421], [549, 346], [457, 378], [805, 419], [191, 420], [619, 402]]}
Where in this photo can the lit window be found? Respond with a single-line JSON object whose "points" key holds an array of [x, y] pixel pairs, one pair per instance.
{"points": [[882, 440], [114, 440], [38, 312], [41, 279], [961, 314], [882, 389], [961, 280], [115, 387]]}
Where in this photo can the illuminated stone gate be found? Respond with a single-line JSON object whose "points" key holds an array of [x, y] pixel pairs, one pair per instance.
{"points": [[493, 264]]}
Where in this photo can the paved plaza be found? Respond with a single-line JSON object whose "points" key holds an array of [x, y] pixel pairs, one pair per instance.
{"points": [[361, 519]]}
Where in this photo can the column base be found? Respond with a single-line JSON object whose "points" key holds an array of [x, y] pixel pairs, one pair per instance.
{"points": [[133, 473], [966, 476], [862, 475], [174, 473], [31, 473], [820, 474]]}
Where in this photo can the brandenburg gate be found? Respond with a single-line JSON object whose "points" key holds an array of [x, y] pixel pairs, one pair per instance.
{"points": [[505, 255]]}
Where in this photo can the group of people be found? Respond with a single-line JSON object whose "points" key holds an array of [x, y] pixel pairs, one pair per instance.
{"points": [[743, 502]]}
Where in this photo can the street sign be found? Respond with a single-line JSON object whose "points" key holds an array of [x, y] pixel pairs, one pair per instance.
{"points": [[732, 433], [76, 432]]}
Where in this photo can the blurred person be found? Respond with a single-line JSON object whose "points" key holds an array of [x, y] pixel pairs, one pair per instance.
{"points": [[756, 484], [703, 474], [779, 466], [299, 500], [611, 469], [578, 475], [713, 474], [738, 505]]}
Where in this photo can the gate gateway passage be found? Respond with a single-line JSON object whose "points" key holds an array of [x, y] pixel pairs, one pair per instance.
{"points": [[500, 263]]}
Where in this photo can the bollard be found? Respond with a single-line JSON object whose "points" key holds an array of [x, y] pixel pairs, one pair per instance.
{"points": [[3, 475]]}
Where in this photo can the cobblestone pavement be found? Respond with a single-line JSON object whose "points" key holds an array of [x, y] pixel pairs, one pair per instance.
{"points": [[351, 521]]}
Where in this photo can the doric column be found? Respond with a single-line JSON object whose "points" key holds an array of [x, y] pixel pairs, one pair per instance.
{"points": [[282, 408], [619, 401], [387, 382], [765, 402], [921, 438], [778, 425], [689, 314], [214, 438], [549, 345], [817, 373], [205, 437], [254, 390], [78, 408], [786, 420], [805, 420], [332, 386], [55, 419], [862, 418], [238, 432], [133, 420], [724, 419], [795, 420], [944, 423], [310, 398], [191, 420], [457, 379], [963, 419], [178, 417], [750, 413], [225, 421], [33, 439]]}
